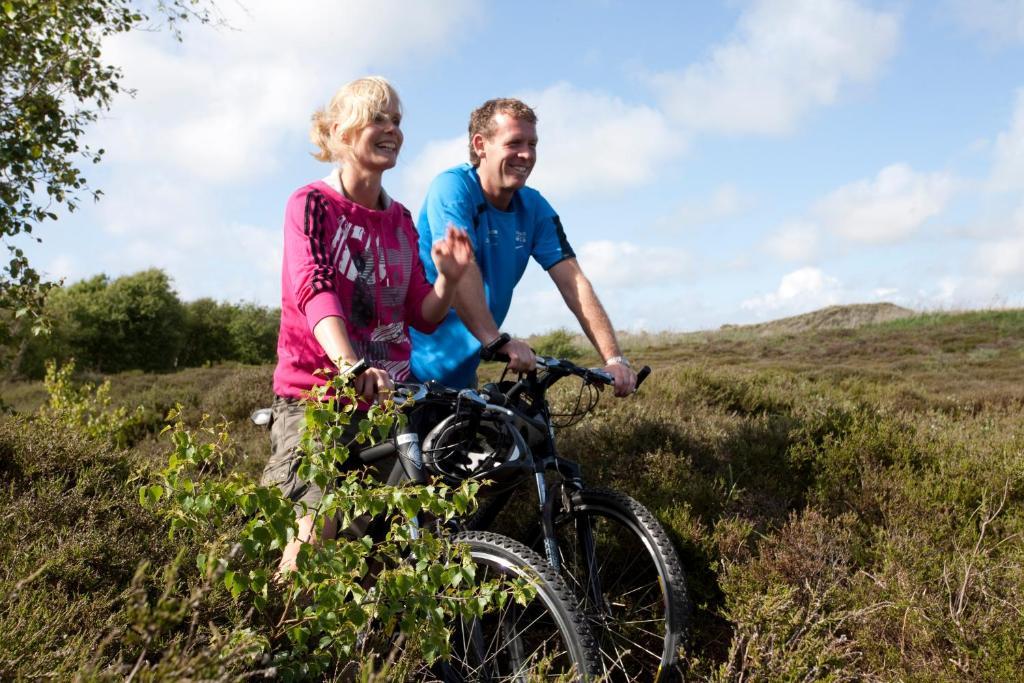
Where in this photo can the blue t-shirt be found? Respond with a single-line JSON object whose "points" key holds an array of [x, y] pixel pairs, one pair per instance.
{"points": [[503, 241]]}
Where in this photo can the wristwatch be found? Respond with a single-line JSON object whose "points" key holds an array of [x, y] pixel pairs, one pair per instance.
{"points": [[619, 360], [492, 346]]}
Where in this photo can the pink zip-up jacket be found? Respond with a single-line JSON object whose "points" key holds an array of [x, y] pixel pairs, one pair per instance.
{"points": [[362, 265]]}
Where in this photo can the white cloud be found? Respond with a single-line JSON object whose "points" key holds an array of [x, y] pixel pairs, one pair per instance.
{"points": [[624, 265], [236, 262], [594, 143], [1008, 165], [665, 304], [151, 221], [1003, 257], [961, 292], [218, 106], [802, 290], [538, 310], [726, 201], [887, 209], [591, 143], [999, 19], [794, 241], [63, 267], [785, 58], [225, 107]]}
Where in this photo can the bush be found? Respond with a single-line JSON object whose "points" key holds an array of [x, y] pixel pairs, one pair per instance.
{"points": [[207, 337], [253, 330], [558, 343], [364, 599], [72, 538], [133, 322], [137, 322]]}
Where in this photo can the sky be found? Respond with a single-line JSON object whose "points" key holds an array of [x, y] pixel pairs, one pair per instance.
{"points": [[712, 162]]}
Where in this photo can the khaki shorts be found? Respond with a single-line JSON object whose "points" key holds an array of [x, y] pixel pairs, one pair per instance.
{"points": [[283, 466]]}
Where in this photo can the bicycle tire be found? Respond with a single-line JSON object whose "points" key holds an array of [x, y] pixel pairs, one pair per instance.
{"points": [[642, 616], [548, 637]]}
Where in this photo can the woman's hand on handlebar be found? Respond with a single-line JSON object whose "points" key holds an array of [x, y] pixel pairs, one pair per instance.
{"points": [[520, 355], [374, 383]]}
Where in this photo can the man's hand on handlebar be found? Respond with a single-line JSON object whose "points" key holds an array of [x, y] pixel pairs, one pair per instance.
{"points": [[520, 355], [624, 378]]}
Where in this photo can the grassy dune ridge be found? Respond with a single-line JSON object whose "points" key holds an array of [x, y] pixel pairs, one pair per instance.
{"points": [[847, 498]]}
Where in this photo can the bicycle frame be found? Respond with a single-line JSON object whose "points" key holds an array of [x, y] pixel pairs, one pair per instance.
{"points": [[540, 437]]}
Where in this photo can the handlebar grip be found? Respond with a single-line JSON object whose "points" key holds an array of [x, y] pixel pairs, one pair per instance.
{"points": [[644, 373], [357, 368]]}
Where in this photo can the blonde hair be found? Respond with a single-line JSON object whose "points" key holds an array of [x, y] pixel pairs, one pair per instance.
{"points": [[352, 108]]}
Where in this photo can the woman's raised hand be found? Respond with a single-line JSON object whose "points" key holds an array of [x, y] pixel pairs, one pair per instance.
{"points": [[453, 254]]}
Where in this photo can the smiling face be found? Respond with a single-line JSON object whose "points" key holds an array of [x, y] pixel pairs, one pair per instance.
{"points": [[507, 157], [375, 146]]}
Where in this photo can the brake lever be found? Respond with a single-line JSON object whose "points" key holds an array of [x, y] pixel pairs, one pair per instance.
{"points": [[471, 397], [499, 411]]}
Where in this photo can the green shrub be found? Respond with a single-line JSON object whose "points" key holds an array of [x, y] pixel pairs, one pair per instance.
{"points": [[348, 599], [559, 343], [846, 506], [253, 331], [88, 407], [71, 539], [207, 338], [137, 322]]}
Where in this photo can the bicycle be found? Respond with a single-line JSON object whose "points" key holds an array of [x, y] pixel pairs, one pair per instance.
{"points": [[546, 637], [610, 549]]}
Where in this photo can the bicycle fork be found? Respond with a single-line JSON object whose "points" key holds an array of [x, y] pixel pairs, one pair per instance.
{"points": [[544, 503], [584, 531]]}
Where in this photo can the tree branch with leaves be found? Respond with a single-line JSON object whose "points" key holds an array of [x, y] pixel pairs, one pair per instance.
{"points": [[54, 82]]}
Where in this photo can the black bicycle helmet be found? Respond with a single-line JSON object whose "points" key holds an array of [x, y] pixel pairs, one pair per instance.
{"points": [[492, 451]]}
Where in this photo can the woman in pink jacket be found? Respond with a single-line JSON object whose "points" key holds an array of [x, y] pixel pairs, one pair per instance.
{"points": [[351, 282]]}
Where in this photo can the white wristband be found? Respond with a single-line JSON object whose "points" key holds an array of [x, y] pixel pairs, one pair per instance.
{"points": [[618, 360]]}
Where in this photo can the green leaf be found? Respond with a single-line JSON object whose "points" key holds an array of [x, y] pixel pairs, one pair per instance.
{"points": [[9, 10]]}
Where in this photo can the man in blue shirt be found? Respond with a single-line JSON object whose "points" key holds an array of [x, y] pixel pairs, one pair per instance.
{"points": [[507, 223]]}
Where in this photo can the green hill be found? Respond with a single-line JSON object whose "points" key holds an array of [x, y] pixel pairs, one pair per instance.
{"points": [[845, 488]]}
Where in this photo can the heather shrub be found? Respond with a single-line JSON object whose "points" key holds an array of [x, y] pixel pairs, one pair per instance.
{"points": [[558, 343], [847, 505]]}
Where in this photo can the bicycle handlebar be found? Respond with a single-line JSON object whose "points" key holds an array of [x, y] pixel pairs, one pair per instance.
{"points": [[563, 368]]}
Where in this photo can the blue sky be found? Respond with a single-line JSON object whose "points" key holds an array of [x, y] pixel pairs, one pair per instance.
{"points": [[712, 163]]}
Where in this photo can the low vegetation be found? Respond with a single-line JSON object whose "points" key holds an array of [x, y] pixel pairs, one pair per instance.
{"points": [[847, 502]]}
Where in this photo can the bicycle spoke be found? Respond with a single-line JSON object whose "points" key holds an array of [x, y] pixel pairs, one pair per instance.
{"points": [[546, 638], [630, 616], [638, 646]]}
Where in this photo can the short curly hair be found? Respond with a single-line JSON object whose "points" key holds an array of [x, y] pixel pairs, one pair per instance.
{"points": [[482, 119], [352, 108]]}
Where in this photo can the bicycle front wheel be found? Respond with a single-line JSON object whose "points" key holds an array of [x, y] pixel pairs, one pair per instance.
{"points": [[619, 560], [547, 638]]}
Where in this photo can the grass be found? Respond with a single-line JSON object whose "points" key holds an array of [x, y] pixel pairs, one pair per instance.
{"points": [[849, 505]]}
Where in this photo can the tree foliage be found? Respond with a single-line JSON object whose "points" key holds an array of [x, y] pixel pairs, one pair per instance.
{"points": [[54, 82], [137, 322]]}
